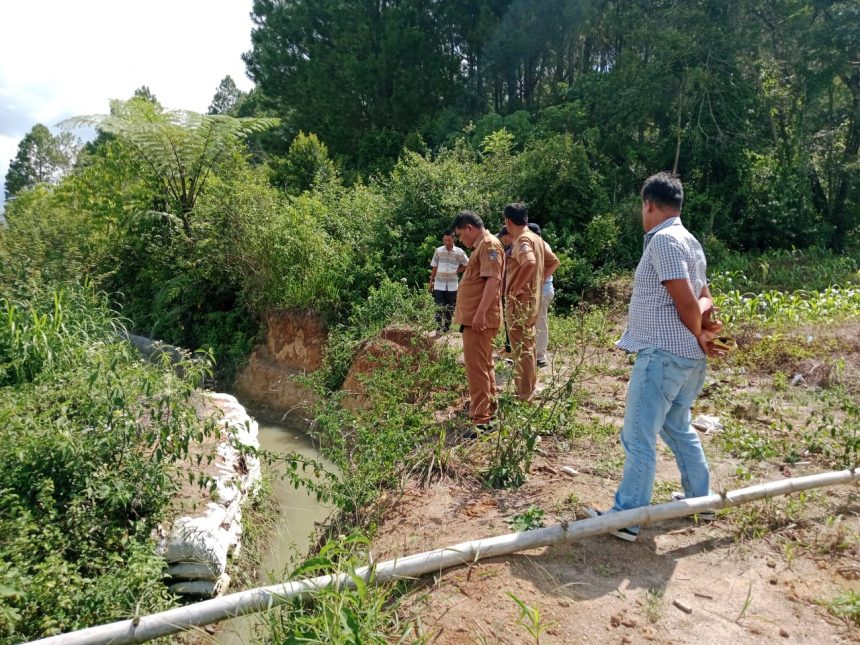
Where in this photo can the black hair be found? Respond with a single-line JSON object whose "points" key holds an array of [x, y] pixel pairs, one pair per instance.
{"points": [[665, 189], [502, 231], [464, 218], [448, 232], [517, 213], [534, 228]]}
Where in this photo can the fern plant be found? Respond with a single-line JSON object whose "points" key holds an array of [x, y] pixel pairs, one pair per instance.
{"points": [[180, 148]]}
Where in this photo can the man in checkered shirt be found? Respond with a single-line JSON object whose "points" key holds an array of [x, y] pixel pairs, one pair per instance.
{"points": [[671, 330]]}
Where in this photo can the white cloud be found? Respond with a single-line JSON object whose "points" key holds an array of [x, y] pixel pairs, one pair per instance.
{"points": [[60, 58]]}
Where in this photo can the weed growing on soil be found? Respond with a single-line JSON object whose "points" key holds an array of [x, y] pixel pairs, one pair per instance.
{"points": [[531, 518], [357, 612], [846, 606], [529, 619], [654, 604]]}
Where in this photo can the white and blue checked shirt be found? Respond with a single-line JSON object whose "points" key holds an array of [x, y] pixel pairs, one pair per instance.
{"points": [[670, 253]]}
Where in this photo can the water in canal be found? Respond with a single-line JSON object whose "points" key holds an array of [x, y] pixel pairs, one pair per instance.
{"points": [[298, 512]]}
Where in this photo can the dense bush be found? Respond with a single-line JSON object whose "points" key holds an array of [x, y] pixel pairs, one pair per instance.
{"points": [[91, 433]]}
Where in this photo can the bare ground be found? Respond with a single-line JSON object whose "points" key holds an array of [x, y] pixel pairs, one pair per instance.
{"points": [[761, 573]]}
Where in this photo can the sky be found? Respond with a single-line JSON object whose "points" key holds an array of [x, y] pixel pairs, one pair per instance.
{"points": [[63, 58]]}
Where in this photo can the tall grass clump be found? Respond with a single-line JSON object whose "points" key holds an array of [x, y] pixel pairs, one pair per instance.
{"points": [[50, 332]]}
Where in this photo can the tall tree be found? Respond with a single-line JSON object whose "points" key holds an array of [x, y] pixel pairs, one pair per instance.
{"points": [[227, 97], [42, 157], [354, 72]]}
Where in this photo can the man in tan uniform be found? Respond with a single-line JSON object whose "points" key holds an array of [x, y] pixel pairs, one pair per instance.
{"points": [[523, 282], [478, 312]]}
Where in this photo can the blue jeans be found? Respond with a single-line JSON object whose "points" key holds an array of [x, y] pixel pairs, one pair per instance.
{"points": [[661, 392]]}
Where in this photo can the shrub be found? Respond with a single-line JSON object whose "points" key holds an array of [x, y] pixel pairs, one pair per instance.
{"points": [[91, 433]]}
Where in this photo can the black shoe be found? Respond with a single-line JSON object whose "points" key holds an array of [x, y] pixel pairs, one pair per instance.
{"points": [[541, 363], [622, 534], [476, 430], [704, 516]]}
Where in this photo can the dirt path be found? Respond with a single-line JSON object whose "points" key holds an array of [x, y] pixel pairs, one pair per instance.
{"points": [[761, 573]]}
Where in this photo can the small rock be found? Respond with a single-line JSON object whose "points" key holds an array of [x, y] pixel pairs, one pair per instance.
{"points": [[563, 603], [798, 379], [771, 564], [615, 621], [773, 581], [629, 622], [784, 632], [570, 471], [682, 606], [708, 424], [626, 639]]}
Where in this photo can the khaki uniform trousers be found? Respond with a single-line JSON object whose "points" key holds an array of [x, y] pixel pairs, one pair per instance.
{"points": [[522, 337], [478, 356]]}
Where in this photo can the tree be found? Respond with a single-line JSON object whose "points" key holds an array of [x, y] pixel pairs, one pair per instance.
{"points": [[143, 92], [42, 157], [227, 97], [306, 164], [353, 72], [179, 149]]}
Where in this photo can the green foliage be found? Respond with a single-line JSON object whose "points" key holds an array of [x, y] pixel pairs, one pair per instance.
{"points": [[529, 619], [846, 606], [512, 449], [531, 518], [423, 196], [227, 97], [180, 149], [781, 307], [41, 335], [359, 611], [92, 434], [307, 163]]}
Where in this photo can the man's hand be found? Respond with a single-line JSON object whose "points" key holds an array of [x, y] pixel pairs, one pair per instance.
{"points": [[706, 338], [710, 321], [479, 322]]}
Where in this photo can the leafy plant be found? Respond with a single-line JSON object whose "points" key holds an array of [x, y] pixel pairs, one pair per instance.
{"points": [[531, 518]]}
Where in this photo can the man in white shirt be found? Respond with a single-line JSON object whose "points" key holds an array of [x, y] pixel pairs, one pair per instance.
{"points": [[448, 261]]}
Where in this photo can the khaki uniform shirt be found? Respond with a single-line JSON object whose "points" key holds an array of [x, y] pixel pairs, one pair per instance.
{"points": [[485, 262], [525, 305]]}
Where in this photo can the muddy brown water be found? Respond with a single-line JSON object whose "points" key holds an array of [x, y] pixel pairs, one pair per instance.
{"points": [[299, 511]]}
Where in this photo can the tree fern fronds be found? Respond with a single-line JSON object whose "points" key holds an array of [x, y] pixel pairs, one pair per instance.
{"points": [[179, 147]]}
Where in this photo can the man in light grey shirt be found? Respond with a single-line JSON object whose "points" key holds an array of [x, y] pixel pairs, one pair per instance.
{"points": [[670, 329], [448, 260]]}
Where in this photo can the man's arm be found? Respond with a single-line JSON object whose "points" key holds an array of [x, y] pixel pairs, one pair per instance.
{"points": [[488, 297], [464, 262], [432, 277], [550, 262], [525, 276], [690, 310]]}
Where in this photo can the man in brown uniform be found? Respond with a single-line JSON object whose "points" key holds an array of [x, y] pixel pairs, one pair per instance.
{"points": [[478, 312], [523, 282]]}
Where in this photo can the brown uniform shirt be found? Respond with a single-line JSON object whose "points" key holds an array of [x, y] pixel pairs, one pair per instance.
{"points": [[527, 302], [486, 261]]}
